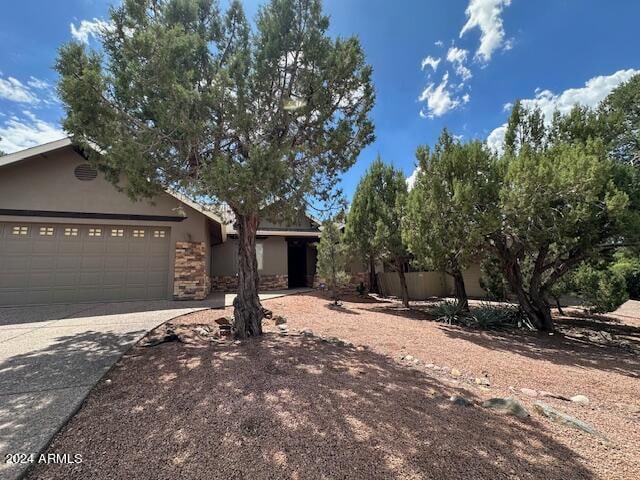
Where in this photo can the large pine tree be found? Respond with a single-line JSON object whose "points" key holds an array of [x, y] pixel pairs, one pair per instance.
{"points": [[183, 96]]}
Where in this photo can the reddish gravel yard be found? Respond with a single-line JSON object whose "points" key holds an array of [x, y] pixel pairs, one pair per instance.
{"points": [[300, 408]]}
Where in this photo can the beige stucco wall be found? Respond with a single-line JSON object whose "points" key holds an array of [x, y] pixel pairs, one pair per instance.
{"points": [[422, 285], [471, 277], [224, 260], [49, 183]]}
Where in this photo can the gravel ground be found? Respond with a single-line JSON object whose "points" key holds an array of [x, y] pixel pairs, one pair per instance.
{"points": [[300, 408]]}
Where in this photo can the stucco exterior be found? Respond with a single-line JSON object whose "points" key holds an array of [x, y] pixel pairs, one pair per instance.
{"points": [[47, 183]]}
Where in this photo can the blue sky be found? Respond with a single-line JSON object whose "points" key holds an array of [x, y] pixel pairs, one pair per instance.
{"points": [[555, 53]]}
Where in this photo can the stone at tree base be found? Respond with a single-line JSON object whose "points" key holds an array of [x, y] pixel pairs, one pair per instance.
{"points": [[581, 399], [455, 372], [460, 401], [556, 416], [224, 321], [306, 332], [509, 406], [529, 392], [408, 358], [280, 320], [283, 327]]}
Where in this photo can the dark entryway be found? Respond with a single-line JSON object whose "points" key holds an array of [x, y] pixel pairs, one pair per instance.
{"points": [[297, 263]]}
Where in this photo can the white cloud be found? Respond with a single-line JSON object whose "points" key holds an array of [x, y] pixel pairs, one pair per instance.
{"points": [[411, 179], [486, 15], [439, 43], [89, 28], [38, 84], [594, 91], [430, 62], [458, 56], [439, 99], [14, 90], [18, 133]]}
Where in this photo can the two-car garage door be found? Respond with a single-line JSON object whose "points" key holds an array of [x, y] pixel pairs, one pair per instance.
{"points": [[56, 263]]}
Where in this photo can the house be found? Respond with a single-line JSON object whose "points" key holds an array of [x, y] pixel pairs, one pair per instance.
{"points": [[68, 235]]}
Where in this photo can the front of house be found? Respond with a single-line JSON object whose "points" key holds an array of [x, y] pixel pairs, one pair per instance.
{"points": [[68, 235]]}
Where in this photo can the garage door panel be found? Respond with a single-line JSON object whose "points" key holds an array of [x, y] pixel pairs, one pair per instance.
{"points": [[137, 263], [91, 278], [92, 262], [14, 280], [115, 262], [42, 280], [136, 279], [16, 263], [87, 264], [68, 262], [117, 246], [156, 278], [114, 278], [43, 262]]}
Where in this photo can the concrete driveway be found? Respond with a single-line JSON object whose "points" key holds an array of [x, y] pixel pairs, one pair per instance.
{"points": [[51, 356]]}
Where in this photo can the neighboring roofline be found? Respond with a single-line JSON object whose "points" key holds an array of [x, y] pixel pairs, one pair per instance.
{"points": [[35, 151]]}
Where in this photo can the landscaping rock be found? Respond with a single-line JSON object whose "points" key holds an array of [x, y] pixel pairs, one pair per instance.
{"points": [[408, 358], [455, 372], [554, 395], [224, 321], [509, 406], [460, 401], [561, 418], [279, 320], [483, 381], [529, 392], [306, 332], [581, 399]]}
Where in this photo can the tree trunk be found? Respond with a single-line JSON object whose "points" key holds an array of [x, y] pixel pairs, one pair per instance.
{"points": [[373, 279], [558, 306], [532, 303], [403, 286], [538, 313], [460, 290], [247, 310]]}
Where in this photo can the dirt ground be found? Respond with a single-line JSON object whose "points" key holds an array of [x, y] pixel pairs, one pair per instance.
{"points": [[301, 408]]}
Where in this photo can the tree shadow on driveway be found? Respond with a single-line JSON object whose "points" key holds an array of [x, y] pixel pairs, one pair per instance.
{"points": [[294, 407], [42, 387]]}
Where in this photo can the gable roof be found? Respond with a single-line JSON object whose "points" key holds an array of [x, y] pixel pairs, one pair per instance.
{"points": [[34, 151]]}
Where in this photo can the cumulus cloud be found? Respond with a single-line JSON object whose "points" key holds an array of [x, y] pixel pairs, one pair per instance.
{"points": [[14, 90], [89, 29], [27, 130], [438, 43], [439, 99], [590, 95], [458, 57], [430, 62], [486, 15]]}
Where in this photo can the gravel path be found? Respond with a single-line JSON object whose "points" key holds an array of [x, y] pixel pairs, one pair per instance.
{"points": [[296, 407]]}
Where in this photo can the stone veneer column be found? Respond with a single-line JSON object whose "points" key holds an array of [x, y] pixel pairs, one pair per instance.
{"points": [[190, 279]]}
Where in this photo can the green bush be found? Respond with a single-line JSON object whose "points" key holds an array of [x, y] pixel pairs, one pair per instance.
{"points": [[603, 290], [489, 316], [450, 312], [628, 265]]}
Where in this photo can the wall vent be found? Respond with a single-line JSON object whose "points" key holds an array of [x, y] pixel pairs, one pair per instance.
{"points": [[85, 172]]}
